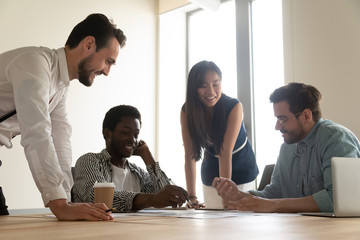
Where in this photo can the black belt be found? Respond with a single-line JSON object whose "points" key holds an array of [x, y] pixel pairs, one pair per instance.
{"points": [[6, 116], [3, 118]]}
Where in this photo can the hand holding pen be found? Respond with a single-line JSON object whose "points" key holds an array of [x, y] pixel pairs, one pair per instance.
{"points": [[191, 201], [171, 195], [194, 203]]}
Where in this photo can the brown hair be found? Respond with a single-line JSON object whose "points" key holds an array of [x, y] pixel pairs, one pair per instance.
{"points": [[299, 97]]}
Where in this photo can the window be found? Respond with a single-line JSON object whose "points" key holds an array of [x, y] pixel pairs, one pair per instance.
{"points": [[189, 37], [268, 74], [209, 40], [171, 94]]}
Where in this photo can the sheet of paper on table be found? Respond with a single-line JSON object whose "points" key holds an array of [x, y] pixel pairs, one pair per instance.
{"points": [[182, 213]]}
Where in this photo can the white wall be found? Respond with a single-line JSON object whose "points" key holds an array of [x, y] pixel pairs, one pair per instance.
{"points": [[131, 80], [168, 5], [322, 48]]}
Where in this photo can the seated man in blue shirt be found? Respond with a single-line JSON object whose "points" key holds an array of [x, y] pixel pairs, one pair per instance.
{"points": [[301, 181], [134, 188]]}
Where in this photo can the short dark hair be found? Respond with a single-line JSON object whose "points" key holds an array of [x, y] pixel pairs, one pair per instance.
{"points": [[115, 115], [98, 26], [299, 97]]}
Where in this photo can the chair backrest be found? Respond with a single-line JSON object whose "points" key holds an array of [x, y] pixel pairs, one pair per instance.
{"points": [[73, 175], [266, 176], [73, 172]]}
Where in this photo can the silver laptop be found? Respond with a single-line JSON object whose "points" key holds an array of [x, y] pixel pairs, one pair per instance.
{"points": [[346, 188]]}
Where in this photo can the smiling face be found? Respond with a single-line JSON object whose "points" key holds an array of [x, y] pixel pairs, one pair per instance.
{"points": [[292, 126], [122, 141], [210, 91], [98, 63]]}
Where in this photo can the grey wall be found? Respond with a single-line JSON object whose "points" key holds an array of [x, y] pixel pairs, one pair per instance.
{"points": [[322, 48]]}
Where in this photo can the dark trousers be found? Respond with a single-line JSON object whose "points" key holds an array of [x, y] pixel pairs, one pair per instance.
{"points": [[3, 207]]}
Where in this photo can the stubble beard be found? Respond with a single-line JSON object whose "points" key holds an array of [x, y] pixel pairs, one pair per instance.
{"points": [[84, 72]]}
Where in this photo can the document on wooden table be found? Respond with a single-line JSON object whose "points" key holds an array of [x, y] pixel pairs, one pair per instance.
{"points": [[182, 213]]}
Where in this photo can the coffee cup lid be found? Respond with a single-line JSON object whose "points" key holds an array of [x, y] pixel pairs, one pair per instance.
{"points": [[104, 184]]}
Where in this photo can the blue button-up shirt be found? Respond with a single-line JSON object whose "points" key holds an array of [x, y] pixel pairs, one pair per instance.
{"points": [[304, 168]]}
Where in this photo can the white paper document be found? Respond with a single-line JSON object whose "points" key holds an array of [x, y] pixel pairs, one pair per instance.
{"points": [[183, 213]]}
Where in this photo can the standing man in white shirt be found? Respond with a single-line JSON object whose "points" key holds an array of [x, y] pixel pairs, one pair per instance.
{"points": [[34, 82]]}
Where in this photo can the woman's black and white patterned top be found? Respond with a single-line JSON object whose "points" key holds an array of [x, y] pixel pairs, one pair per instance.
{"points": [[93, 167]]}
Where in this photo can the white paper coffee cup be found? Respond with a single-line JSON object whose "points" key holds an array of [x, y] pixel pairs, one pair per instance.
{"points": [[104, 193]]}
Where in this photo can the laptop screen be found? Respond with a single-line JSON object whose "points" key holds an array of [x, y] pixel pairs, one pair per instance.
{"points": [[346, 186]]}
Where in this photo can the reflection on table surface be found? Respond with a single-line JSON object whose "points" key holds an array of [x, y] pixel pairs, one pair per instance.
{"points": [[182, 224]]}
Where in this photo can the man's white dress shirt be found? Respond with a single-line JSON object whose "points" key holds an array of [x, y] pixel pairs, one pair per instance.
{"points": [[35, 81]]}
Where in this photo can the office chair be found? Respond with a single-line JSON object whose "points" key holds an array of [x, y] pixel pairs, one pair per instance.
{"points": [[266, 176], [71, 192], [73, 172]]}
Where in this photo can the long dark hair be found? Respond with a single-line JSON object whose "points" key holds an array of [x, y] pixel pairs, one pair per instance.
{"points": [[195, 111]]}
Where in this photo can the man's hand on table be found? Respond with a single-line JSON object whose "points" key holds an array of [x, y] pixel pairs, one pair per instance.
{"points": [[79, 211]]}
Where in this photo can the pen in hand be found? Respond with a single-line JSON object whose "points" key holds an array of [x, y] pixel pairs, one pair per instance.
{"points": [[110, 210], [186, 197], [190, 203]]}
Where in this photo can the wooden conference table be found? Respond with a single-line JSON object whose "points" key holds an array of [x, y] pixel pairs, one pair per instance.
{"points": [[168, 227]]}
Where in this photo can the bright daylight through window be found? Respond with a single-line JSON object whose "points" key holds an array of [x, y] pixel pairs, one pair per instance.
{"points": [[212, 37]]}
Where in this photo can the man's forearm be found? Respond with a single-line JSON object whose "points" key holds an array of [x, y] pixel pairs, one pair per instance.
{"points": [[142, 200], [293, 205], [280, 205], [148, 159], [79, 211]]}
